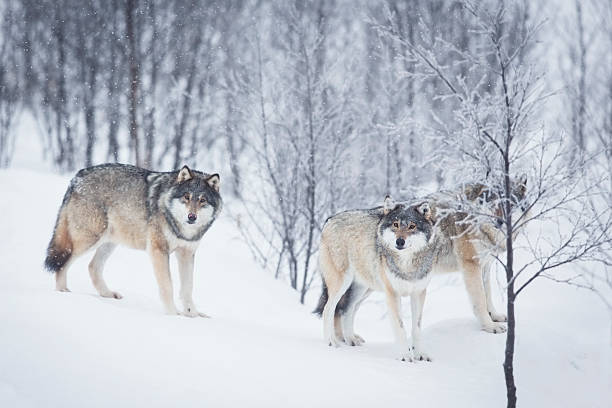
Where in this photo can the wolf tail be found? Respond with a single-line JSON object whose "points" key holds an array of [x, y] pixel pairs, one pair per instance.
{"points": [[342, 304], [322, 301], [60, 247]]}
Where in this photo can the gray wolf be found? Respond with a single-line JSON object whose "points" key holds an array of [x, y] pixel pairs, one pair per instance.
{"points": [[388, 249], [161, 213], [461, 242], [470, 243]]}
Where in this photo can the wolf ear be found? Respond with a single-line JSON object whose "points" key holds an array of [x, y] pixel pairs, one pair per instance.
{"points": [[214, 181], [522, 185], [388, 205], [523, 180], [425, 210], [184, 175], [473, 191]]}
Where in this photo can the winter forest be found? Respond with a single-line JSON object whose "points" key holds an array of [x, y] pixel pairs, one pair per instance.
{"points": [[309, 108]]}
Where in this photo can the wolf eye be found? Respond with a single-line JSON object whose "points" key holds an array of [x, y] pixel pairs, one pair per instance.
{"points": [[186, 196], [411, 226], [395, 224], [202, 200]]}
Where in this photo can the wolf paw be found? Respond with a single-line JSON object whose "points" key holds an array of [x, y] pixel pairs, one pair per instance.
{"points": [[420, 356], [498, 317], [494, 328], [333, 342], [63, 290], [354, 341], [115, 295], [406, 357], [172, 312], [192, 312]]}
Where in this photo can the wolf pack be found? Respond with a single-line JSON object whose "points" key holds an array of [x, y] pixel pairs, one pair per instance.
{"points": [[395, 248]]}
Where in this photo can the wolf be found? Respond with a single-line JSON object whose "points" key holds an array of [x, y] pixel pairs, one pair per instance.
{"points": [[459, 243], [160, 212], [470, 243], [388, 249]]}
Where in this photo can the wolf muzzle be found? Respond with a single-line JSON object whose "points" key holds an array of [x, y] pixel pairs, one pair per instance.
{"points": [[400, 242]]}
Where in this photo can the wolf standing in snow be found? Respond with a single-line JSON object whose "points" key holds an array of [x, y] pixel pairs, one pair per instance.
{"points": [[158, 212], [470, 243], [389, 249]]}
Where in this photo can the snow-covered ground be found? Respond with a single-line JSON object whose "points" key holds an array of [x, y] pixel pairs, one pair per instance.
{"points": [[261, 347]]}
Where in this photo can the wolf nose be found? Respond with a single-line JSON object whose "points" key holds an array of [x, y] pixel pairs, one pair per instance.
{"points": [[400, 242], [192, 217]]}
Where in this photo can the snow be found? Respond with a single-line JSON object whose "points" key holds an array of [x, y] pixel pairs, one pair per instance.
{"points": [[261, 348]]}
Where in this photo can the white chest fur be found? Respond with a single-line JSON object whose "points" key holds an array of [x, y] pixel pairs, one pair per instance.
{"points": [[402, 271], [408, 287], [174, 242]]}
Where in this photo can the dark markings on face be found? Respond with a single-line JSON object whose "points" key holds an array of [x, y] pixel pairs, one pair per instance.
{"points": [[197, 193], [517, 197], [405, 221]]}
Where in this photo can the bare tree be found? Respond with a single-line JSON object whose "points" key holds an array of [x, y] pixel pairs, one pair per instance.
{"points": [[114, 80], [130, 8], [494, 138], [87, 35], [302, 121]]}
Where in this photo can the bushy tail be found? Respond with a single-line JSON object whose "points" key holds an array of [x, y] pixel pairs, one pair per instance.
{"points": [[322, 301], [342, 304], [60, 247]]}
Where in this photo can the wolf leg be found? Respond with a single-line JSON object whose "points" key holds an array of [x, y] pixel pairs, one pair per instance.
{"points": [[336, 288], [82, 244], [394, 303], [338, 325], [416, 305], [61, 280], [161, 268], [357, 337], [496, 316], [475, 288], [337, 280], [96, 268], [185, 264], [359, 294]]}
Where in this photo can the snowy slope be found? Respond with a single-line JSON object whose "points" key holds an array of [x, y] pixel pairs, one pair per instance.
{"points": [[261, 348]]}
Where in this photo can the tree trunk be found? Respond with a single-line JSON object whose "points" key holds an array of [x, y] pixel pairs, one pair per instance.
{"points": [[149, 126], [509, 353], [113, 100], [90, 72], [90, 123], [507, 213], [130, 7], [581, 111], [310, 175], [66, 144], [187, 98]]}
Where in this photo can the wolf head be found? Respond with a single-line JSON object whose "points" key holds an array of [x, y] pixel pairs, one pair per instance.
{"points": [[404, 226], [490, 197], [194, 201]]}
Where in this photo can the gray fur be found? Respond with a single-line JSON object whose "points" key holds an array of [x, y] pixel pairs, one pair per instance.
{"points": [[390, 249], [160, 212]]}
